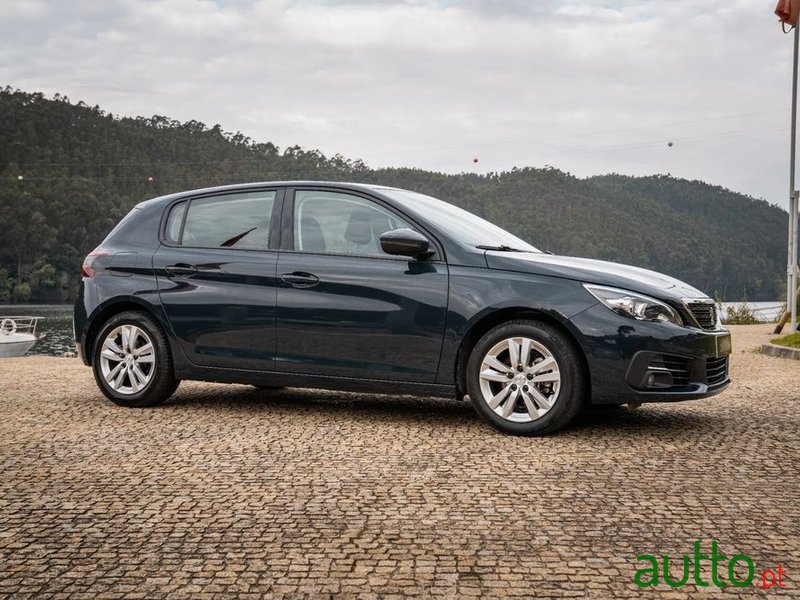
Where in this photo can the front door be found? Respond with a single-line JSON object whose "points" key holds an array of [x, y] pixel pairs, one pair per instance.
{"points": [[347, 309], [216, 278]]}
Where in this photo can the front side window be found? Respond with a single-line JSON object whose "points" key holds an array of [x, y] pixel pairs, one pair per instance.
{"points": [[337, 223], [240, 221]]}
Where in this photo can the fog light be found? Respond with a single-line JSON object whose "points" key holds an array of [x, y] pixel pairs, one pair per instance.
{"points": [[659, 380]]}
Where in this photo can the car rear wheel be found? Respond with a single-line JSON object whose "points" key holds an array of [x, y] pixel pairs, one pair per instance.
{"points": [[132, 363], [525, 378]]}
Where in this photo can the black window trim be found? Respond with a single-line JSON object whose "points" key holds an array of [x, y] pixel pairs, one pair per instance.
{"points": [[273, 235], [287, 224]]}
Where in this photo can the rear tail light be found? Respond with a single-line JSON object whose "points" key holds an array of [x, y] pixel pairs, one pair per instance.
{"points": [[87, 270]]}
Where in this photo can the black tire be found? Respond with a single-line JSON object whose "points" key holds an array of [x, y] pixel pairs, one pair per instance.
{"points": [[161, 385], [570, 396]]}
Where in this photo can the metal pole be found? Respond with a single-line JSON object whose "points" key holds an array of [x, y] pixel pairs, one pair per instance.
{"points": [[794, 261], [791, 284]]}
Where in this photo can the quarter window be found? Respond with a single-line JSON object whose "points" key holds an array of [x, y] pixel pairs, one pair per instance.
{"points": [[175, 222], [336, 223], [240, 221]]}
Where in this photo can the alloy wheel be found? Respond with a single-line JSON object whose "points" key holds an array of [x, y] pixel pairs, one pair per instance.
{"points": [[127, 359], [520, 379]]}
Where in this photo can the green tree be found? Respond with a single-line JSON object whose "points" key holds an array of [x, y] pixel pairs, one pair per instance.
{"points": [[6, 284], [21, 293], [82, 169]]}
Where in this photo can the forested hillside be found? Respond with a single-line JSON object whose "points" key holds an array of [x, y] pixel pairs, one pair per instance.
{"points": [[69, 171]]}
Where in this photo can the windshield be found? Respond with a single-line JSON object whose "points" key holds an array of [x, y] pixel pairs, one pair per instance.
{"points": [[457, 223]]}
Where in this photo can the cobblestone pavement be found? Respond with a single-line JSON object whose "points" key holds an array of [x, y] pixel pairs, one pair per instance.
{"points": [[227, 491]]}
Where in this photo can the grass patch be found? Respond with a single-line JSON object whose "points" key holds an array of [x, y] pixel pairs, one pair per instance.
{"points": [[792, 340]]}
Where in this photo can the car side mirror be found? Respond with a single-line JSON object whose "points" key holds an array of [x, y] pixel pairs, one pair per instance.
{"points": [[406, 242]]}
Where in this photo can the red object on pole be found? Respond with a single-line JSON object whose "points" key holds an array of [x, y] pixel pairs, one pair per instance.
{"points": [[788, 11]]}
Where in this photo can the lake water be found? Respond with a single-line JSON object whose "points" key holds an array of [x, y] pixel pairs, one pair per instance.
{"points": [[57, 322]]}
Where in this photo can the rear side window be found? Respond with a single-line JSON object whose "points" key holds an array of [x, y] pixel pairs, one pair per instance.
{"points": [[240, 221], [175, 223]]}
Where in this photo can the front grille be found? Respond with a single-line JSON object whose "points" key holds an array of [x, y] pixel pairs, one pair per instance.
{"points": [[716, 370], [705, 313], [676, 366]]}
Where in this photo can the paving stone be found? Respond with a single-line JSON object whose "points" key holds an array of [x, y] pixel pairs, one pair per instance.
{"points": [[227, 491]]}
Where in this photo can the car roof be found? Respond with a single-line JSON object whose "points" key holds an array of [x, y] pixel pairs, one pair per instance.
{"points": [[367, 187]]}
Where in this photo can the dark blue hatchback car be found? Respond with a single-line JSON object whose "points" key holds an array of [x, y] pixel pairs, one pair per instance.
{"points": [[371, 288]]}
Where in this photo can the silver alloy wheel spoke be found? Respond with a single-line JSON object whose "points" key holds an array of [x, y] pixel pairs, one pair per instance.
{"points": [[525, 354], [501, 395], [133, 380], [141, 378], [147, 349], [513, 353], [493, 375], [539, 398], [113, 373], [127, 359], [125, 333], [530, 406], [109, 354], [508, 407], [541, 366], [120, 377], [112, 346], [492, 362], [520, 379], [551, 376]]}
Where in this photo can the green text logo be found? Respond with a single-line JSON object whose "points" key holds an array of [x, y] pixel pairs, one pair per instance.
{"points": [[739, 571]]}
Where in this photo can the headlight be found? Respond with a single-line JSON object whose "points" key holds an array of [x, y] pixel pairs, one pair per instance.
{"points": [[633, 305]]}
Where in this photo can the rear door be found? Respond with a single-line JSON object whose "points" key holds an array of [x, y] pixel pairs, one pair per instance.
{"points": [[216, 277], [346, 308]]}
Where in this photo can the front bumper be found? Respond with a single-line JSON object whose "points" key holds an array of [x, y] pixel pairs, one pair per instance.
{"points": [[636, 361]]}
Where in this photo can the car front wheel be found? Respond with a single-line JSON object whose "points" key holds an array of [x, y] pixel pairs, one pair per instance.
{"points": [[132, 363], [525, 378]]}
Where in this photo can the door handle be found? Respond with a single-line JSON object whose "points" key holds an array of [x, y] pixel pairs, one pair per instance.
{"points": [[300, 279], [180, 270]]}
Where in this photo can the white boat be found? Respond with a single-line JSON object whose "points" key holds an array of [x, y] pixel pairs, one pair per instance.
{"points": [[17, 335]]}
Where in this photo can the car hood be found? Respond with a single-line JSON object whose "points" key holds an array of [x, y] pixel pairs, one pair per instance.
{"points": [[594, 271]]}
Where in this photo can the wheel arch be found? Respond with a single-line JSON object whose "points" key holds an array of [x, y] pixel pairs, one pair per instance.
{"points": [[503, 315], [119, 305]]}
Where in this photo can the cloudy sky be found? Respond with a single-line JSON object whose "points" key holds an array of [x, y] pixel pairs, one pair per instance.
{"points": [[586, 86]]}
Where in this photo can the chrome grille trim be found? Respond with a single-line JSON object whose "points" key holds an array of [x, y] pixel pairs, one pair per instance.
{"points": [[703, 312], [716, 370], [676, 366]]}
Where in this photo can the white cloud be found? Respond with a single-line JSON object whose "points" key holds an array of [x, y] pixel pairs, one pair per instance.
{"points": [[590, 87]]}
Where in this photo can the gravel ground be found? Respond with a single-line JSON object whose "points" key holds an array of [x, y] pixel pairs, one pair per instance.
{"points": [[227, 491]]}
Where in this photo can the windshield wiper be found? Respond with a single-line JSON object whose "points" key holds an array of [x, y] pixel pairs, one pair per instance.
{"points": [[502, 248], [230, 242]]}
